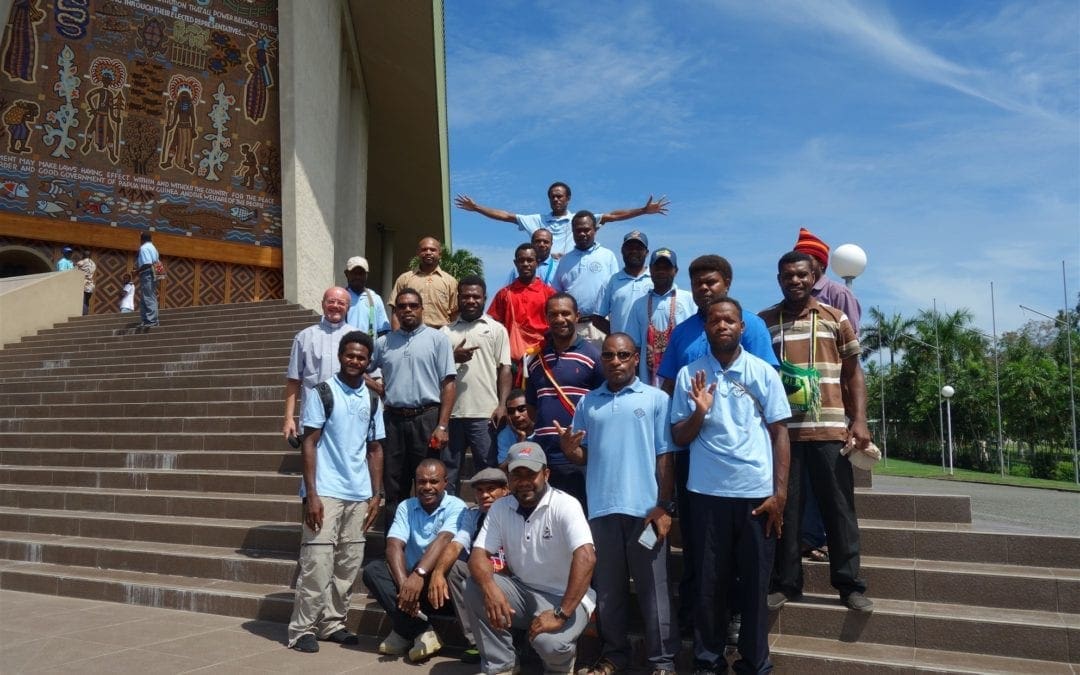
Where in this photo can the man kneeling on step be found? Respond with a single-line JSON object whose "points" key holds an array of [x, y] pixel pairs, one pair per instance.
{"points": [[423, 526]]}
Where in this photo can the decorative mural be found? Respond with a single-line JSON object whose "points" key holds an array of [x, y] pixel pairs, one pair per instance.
{"points": [[143, 114]]}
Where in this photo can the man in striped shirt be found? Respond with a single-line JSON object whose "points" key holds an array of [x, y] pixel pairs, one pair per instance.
{"points": [[828, 409], [566, 369]]}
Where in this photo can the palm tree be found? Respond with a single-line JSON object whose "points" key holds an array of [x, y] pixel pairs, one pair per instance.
{"points": [[458, 263], [882, 332]]}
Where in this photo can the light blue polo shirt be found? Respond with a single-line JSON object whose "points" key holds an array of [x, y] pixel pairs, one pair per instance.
{"points": [[619, 297], [367, 312], [341, 469], [562, 234], [63, 265], [689, 343], [504, 439], [732, 456], [414, 365], [637, 326], [585, 275], [418, 528], [625, 432]]}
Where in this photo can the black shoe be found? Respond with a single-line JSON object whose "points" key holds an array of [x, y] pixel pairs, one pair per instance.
{"points": [[733, 628], [858, 602], [776, 600], [342, 636], [471, 655], [307, 644]]}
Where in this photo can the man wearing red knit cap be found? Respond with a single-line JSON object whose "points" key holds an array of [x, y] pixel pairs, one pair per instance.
{"points": [[825, 289]]}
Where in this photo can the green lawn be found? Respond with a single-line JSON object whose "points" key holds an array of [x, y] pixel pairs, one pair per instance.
{"points": [[901, 467]]}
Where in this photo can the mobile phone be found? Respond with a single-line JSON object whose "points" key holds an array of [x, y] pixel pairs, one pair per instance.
{"points": [[649, 537]]}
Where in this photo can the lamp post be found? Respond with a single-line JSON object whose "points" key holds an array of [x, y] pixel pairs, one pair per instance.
{"points": [[948, 392], [849, 261]]}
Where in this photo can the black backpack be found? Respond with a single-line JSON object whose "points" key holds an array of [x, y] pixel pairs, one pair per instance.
{"points": [[327, 398]]}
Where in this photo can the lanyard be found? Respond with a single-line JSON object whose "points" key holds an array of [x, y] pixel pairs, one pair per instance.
{"points": [[813, 336]]}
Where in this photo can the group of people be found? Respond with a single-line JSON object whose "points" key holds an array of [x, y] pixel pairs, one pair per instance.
{"points": [[598, 401], [145, 271]]}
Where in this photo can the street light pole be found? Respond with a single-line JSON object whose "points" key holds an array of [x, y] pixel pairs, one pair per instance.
{"points": [[997, 381], [948, 392]]}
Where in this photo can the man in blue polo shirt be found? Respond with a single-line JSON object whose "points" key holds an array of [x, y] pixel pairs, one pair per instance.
{"points": [[621, 431], [653, 318], [558, 221], [633, 281], [423, 526], [342, 491], [584, 273], [566, 369], [729, 408], [366, 309]]}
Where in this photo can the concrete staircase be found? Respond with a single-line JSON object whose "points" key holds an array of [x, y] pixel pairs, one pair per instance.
{"points": [[146, 467]]}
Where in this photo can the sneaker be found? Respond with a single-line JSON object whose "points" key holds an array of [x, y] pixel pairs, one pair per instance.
{"points": [[342, 636], [307, 644], [426, 645], [471, 655], [394, 645], [858, 602]]}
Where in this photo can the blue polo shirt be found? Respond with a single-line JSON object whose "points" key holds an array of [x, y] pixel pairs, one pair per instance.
{"points": [[619, 296], [585, 275], [148, 254], [638, 325], [64, 265], [504, 439], [562, 235], [341, 469], [625, 431], [689, 343], [418, 528], [367, 312], [414, 365], [577, 370], [732, 456]]}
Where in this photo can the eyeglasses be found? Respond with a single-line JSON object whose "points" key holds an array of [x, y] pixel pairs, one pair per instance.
{"points": [[408, 305], [610, 356], [517, 408]]}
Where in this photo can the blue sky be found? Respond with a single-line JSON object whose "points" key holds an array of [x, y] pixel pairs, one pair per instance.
{"points": [[942, 137]]}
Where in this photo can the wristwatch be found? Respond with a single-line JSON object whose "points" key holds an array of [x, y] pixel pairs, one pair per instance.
{"points": [[669, 506], [421, 571], [441, 427], [559, 614]]}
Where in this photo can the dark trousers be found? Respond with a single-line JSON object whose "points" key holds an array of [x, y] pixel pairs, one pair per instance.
{"points": [[86, 302], [687, 588], [812, 528], [405, 446], [380, 583], [834, 486], [571, 480], [731, 542], [475, 433]]}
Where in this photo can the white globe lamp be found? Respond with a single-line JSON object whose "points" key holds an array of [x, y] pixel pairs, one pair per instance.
{"points": [[849, 261]]}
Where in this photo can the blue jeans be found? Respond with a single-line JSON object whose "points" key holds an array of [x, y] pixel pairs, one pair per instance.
{"points": [[148, 288]]}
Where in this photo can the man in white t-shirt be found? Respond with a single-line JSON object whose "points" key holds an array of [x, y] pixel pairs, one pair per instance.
{"points": [[549, 552]]}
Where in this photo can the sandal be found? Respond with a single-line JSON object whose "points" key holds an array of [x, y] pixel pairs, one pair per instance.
{"points": [[601, 667], [817, 554]]}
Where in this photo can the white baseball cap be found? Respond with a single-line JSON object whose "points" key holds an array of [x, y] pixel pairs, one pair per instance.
{"points": [[356, 261]]}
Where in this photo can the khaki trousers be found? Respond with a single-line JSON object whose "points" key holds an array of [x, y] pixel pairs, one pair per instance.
{"points": [[329, 562]]}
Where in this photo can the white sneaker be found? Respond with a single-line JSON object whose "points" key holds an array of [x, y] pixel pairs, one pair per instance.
{"points": [[426, 645], [394, 645]]}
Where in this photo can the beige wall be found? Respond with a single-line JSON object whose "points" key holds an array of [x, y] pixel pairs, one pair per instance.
{"points": [[324, 147], [36, 301]]}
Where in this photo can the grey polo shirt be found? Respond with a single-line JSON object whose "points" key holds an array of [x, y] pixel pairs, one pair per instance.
{"points": [[414, 365], [313, 358]]}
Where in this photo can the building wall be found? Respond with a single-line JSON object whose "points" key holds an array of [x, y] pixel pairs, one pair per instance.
{"points": [[324, 148]]}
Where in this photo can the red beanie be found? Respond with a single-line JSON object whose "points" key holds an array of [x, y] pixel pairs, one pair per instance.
{"points": [[811, 245]]}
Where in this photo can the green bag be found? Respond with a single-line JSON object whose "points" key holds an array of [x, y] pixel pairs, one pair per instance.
{"points": [[803, 387]]}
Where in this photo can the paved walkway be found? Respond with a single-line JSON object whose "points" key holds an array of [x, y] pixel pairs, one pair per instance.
{"points": [[49, 634], [1001, 507]]}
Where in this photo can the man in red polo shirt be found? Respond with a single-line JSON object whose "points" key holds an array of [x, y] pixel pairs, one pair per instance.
{"points": [[521, 305]]}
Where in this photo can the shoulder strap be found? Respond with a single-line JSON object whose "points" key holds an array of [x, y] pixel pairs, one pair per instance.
{"points": [[327, 398], [373, 399]]}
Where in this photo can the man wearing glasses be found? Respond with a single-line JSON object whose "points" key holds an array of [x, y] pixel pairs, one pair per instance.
{"points": [[621, 431], [417, 362]]}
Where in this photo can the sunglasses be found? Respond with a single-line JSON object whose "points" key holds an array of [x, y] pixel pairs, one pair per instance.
{"points": [[517, 409], [610, 356], [408, 305]]}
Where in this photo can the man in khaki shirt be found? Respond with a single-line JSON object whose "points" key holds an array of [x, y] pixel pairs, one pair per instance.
{"points": [[437, 288], [482, 355]]}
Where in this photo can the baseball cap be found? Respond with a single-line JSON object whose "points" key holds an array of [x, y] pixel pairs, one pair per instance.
{"points": [[526, 454], [664, 253], [636, 235], [67, 249], [356, 261], [488, 475]]}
